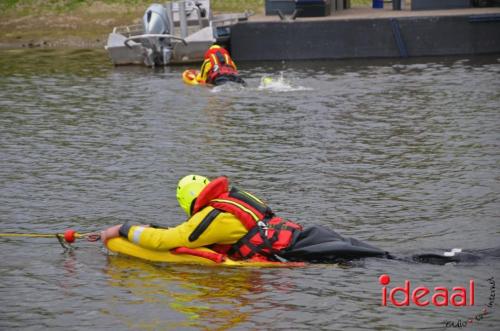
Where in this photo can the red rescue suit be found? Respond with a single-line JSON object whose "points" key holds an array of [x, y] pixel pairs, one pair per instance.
{"points": [[220, 64], [267, 235]]}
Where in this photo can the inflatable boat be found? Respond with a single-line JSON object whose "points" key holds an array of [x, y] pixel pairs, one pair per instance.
{"points": [[184, 255]]}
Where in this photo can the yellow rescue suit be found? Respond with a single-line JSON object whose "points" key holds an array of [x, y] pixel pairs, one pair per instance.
{"points": [[224, 229]]}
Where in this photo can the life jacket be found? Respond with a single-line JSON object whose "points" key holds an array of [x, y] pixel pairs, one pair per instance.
{"points": [[267, 234], [219, 59]]}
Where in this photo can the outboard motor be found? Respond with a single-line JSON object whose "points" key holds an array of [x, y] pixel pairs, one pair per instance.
{"points": [[156, 21]]}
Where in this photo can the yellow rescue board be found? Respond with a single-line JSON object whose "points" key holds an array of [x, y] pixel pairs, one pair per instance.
{"points": [[125, 247], [189, 77]]}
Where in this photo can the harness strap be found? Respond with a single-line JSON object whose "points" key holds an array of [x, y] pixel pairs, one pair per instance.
{"points": [[245, 241], [234, 203], [251, 200], [267, 243], [204, 224]]}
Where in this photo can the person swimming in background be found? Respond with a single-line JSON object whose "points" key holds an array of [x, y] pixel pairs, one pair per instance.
{"points": [[218, 68]]}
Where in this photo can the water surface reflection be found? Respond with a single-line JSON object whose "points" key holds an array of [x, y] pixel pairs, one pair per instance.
{"points": [[403, 154]]}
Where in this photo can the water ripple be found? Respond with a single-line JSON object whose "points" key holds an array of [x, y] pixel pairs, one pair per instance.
{"points": [[402, 154]]}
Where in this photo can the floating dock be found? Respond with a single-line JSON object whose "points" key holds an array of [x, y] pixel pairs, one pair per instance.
{"points": [[368, 33]]}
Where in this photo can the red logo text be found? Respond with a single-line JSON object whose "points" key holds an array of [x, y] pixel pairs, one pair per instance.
{"points": [[423, 296]]}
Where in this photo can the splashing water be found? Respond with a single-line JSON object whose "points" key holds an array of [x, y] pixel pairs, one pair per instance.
{"points": [[279, 84]]}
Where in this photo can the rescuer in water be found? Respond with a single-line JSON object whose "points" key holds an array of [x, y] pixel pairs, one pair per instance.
{"points": [[218, 68], [234, 222]]}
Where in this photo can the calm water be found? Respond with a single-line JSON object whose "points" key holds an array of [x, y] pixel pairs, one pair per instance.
{"points": [[402, 154]]}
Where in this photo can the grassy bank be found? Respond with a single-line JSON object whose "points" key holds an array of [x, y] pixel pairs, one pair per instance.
{"points": [[86, 23], [81, 23], [29, 7]]}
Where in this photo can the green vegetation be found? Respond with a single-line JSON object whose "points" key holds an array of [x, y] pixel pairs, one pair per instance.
{"points": [[34, 6], [256, 6], [68, 5], [86, 23], [361, 3]]}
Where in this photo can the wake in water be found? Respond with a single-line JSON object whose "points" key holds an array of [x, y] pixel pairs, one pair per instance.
{"points": [[279, 84], [227, 87], [268, 83]]}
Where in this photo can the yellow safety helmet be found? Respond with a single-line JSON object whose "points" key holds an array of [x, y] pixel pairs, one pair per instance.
{"points": [[188, 189]]}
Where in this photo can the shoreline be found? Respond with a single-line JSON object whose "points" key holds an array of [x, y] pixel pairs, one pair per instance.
{"points": [[81, 28], [85, 26], [358, 29]]}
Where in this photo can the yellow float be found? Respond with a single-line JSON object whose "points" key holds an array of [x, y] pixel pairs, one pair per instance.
{"points": [[184, 255], [189, 77]]}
